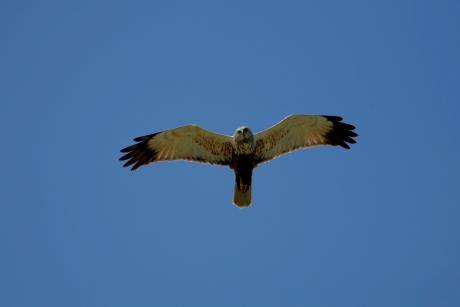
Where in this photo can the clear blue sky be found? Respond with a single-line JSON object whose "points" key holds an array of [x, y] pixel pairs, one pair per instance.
{"points": [[377, 225]]}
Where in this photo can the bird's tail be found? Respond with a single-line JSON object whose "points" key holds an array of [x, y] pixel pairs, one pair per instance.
{"points": [[242, 199]]}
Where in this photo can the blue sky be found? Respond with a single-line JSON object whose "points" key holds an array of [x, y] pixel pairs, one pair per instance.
{"points": [[377, 225]]}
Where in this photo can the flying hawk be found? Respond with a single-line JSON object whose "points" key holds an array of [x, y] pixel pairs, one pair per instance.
{"points": [[244, 151]]}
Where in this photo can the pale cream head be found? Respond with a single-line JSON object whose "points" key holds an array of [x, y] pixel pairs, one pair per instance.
{"points": [[243, 134]]}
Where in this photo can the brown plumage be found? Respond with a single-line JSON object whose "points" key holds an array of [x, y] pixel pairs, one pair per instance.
{"points": [[242, 152]]}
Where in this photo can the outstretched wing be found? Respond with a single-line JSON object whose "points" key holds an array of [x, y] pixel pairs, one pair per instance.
{"points": [[301, 131], [190, 143]]}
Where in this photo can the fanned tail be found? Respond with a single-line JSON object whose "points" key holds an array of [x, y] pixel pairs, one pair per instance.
{"points": [[241, 199]]}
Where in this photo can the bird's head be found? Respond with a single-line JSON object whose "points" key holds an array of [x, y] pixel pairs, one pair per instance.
{"points": [[243, 134]]}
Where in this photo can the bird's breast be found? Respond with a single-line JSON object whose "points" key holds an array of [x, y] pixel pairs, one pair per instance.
{"points": [[244, 148]]}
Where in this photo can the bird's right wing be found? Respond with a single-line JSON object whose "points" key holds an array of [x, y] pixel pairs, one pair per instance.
{"points": [[190, 143], [301, 131]]}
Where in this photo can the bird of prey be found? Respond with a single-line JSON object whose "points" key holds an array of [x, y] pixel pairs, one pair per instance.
{"points": [[244, 151]]}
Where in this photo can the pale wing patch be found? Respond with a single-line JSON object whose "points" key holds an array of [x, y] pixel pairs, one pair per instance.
{"points": [[302, 131], [190, 143]]}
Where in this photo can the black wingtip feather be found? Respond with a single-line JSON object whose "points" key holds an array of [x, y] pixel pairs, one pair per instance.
{"points": [[139, 154], [145, 137], [341, 133]]}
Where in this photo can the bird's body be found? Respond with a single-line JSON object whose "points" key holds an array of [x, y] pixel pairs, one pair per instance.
{"points": [[242, 152], [243, 158]]}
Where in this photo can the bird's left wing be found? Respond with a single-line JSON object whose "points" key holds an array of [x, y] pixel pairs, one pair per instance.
{"points": [[190, 143], [301, 131]]}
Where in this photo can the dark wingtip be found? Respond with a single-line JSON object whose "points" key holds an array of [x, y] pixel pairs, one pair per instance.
{"points": [[333, 118], [139, 154], [135, 167], [341, 133], [145, 137]]}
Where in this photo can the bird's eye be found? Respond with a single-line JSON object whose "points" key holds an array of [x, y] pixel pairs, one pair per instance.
{"points": [[239, 131], [245, 129]]}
